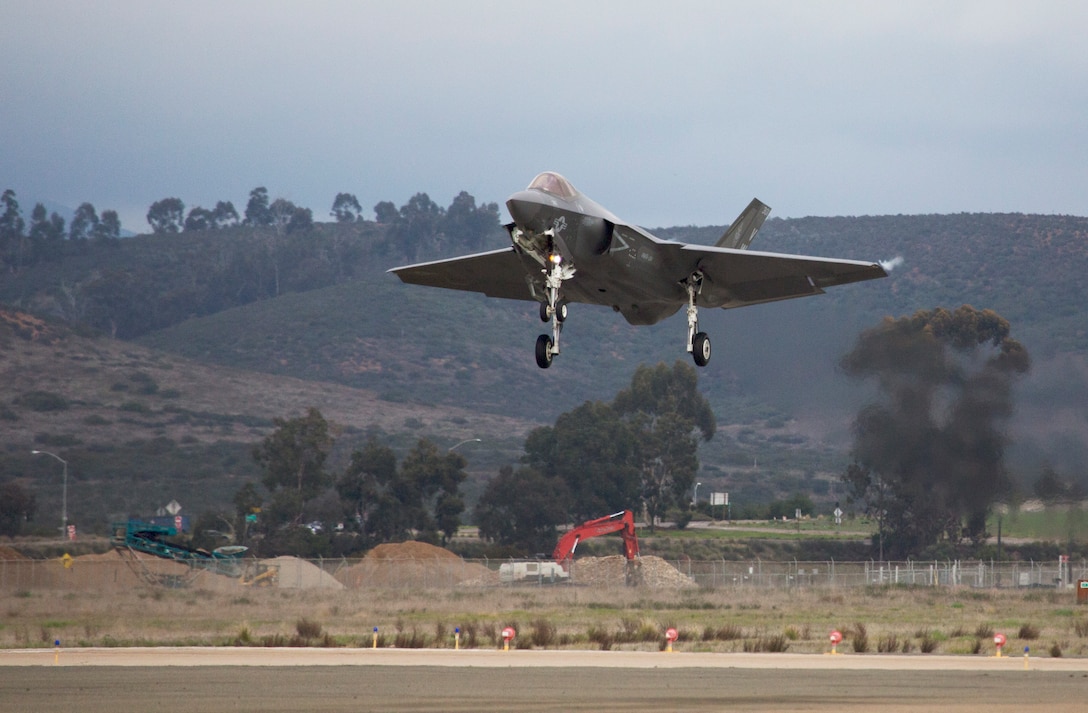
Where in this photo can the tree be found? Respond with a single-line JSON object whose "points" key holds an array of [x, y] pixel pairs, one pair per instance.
{"points": [[84, 223], [389, 503], [385, 213], [108, 229], [664, 407], [257, 210], [418, 221], [166, 216], [368, 492], [17, 507], [929, 456], [224, 215], [293, 459], [429, 486], [346, 208], [11, 230], [522, 509], [46, 234], [595, 453], [467, 225], [199, 219]]}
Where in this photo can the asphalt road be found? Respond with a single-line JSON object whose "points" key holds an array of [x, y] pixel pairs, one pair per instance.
{"points": [[272, 680]]}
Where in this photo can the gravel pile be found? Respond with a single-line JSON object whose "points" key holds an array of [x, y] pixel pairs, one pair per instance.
{"points": [[611, 572], [294, 573]]}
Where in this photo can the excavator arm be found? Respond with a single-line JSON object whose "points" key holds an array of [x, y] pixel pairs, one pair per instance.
{"points": [[622, 522]]}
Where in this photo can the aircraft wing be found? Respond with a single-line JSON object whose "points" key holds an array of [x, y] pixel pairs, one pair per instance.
{"points": [[497, 273], [735, 278]]}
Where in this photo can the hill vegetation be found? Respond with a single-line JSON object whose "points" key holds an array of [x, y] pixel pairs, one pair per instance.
{"points": [[216, 327]]}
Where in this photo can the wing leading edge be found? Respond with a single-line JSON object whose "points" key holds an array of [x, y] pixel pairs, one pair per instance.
{"points": [[735, 278], [497, 273]]}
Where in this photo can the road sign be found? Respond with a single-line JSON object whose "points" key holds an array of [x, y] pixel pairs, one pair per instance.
{"points": [[173, 507]]}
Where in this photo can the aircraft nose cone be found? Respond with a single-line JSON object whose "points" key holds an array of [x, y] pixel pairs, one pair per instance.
{"points": [[525, 209]]}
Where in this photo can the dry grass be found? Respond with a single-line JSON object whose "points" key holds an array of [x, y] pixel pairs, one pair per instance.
{"points": [[897, 620]]}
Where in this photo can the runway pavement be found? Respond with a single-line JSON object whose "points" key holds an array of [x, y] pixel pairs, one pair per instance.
{"points": [[272, 680], [490, 658]]}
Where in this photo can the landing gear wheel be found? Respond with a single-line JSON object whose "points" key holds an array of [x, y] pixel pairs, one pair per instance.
{"points": [[561, 311], [700, 349], [546, 312], [544, 351]]}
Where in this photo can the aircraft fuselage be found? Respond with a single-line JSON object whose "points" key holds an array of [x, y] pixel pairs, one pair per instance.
{"points": [[619, 269]]}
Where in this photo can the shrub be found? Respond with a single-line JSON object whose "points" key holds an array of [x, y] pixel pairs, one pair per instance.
{"points": [[410, 639], [861, 638], [135, 407], [1028, 632], [928, 643], [602, 637], [984, 631], [1055, 650], [542, 633], [42, 401], [731, 632], [308, 629], [771, 644], [888, 644]]}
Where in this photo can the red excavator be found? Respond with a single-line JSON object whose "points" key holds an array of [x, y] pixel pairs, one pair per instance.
{"points": [[622, 522]]}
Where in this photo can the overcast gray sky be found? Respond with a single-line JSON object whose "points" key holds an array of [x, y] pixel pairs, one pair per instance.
{"points": [[667, 113]]}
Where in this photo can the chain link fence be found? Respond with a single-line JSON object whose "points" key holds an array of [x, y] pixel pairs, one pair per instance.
{"points": [[110, 573]]}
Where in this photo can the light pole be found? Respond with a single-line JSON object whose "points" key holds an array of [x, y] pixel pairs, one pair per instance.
{"points": [[64, 492], [467, 440], [695, 495]]}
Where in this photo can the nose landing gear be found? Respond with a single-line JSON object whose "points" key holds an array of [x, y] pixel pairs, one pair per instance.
{"points": [[548, 346]]}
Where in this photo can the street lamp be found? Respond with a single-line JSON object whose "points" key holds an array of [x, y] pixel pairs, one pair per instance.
{"points": [[695, 495], [64, 496], [467, 440]]}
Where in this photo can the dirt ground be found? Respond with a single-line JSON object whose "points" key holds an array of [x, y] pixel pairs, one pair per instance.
{"points": [[271, 680]]}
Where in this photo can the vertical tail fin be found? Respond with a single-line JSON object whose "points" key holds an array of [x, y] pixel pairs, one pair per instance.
{"points": [[744, 228]]}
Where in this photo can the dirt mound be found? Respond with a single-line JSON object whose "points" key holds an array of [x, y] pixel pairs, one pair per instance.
{"points": [[415, 565], [294, 573], [10, 554], [611, 572], [409, 551]]}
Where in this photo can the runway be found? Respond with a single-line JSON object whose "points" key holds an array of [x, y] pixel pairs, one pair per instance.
{"points": [[259, 679]]}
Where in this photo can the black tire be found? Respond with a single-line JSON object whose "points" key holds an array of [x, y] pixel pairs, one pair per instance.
{"points": [[544, 351], [545, 315], [700, 349], [561, 312]]}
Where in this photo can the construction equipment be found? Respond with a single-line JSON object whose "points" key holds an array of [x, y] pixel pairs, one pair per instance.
{"points": [[622, 522], [135, 536]]}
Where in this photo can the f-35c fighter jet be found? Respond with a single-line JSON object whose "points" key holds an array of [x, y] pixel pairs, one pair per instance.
{"points": [[566, 249]]}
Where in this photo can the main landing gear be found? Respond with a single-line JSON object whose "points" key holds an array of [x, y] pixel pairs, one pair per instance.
{"points": [[698, 342]]}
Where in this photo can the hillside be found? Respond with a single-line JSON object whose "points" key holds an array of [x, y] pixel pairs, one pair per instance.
{"points": [[141, 427], [339, 333], [774, 361]]}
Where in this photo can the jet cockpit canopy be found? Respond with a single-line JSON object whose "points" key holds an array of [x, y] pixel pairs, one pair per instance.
{"points": [[553, 183]]}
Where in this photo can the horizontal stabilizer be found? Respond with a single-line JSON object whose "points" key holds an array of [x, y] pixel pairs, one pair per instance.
{"points": [[744, 228]]}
